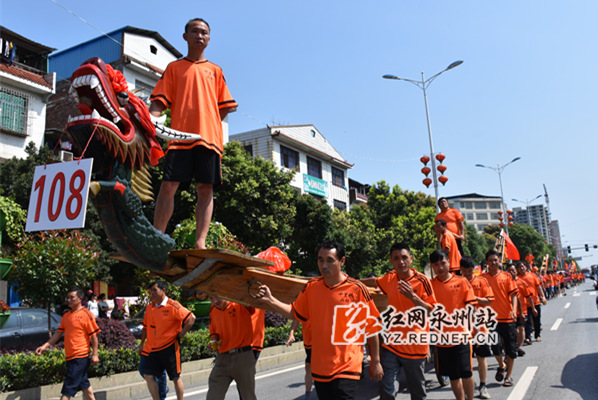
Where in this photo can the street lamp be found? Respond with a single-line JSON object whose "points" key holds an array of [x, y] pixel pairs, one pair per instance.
{"points": [[526, 202], [423, 85], [499, 169]]}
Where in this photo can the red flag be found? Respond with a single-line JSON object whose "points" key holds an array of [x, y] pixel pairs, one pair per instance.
{"points": [[512, 252]]}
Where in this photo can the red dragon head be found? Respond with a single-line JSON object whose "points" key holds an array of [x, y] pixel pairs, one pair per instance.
{"points": [[115, 124]]}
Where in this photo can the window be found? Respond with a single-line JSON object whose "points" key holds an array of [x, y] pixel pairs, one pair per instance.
{"points": [[13, 112], [468, 216], [466, 205], [494, 204], [481, 216], [153, 49], [340, 205], [314, 168], [289, 158], [249, 149], [338, 177], [480, 205]]}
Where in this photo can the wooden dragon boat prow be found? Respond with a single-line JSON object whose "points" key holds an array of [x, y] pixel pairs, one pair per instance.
{"points": [[235, 277]]}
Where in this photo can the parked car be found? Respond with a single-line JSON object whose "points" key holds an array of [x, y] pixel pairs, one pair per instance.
{"points": [[27, 327], [567, 280]]}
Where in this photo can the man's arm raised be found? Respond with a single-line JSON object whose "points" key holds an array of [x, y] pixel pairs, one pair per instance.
{"points": [[282, 308]]}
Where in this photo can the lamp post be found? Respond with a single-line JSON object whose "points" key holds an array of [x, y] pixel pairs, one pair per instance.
{"points": [[499, 169], [423, 85], [527, 202]]}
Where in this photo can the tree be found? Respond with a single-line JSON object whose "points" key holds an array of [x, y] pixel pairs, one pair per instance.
{"points": [[475, 244], [48, 264], [255, 201], [528, 241]]}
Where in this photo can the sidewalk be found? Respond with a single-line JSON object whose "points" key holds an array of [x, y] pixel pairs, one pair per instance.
{"points": [[130, 385]]}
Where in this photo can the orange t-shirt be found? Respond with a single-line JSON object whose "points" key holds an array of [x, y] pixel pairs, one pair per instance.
{"points": [[423, 289], [78, 328], [325, 306], [454, 294], [503, 286], [481, 288], [533, 281], [524, 294], [306, 332], [449, 243], [452, 216], [258, 324], [164, 322], [195, 91], [232, 325]]}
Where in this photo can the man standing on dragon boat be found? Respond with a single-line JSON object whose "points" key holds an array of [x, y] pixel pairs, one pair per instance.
{"points": [[195, 91]]}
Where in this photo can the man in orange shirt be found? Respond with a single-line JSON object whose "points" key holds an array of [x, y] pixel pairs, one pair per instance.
{"points": [[162, 331], [454, 222], [505, 306], [524, 302], [455, 294], [533, 310], [80, 330], [484, 296], [231, 333], [195, 91], [406, 289], [337, 345], [446, 241]]}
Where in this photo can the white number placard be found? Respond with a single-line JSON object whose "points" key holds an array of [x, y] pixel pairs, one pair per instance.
{"points": [[59, 196]]}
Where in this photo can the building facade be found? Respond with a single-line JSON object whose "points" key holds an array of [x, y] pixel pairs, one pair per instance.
{"points": [[478, 210], [535, 216], [25, 88], [320, 170]]}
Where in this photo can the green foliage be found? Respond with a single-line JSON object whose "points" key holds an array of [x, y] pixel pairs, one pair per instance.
{"points": [[528, 241], [475, 244], [114, 361], [276, 335], [12, 219], [196, 345], [255, 200], [24, 370], [218, 236], [47, 264]]}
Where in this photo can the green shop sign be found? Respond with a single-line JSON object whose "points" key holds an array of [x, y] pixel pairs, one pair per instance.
{"points": [[315, 186]]}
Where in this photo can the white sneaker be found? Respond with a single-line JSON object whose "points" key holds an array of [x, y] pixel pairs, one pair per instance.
{"points": [[484, 393]]}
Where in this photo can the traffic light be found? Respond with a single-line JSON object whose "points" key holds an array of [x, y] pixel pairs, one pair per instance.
{"points": [[569, 249], [587, 248]]}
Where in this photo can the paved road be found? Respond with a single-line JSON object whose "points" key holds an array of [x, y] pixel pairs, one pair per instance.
{"points": [[564, 366]]}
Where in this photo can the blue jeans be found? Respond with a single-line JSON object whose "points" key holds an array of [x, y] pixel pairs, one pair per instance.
{"points": [[162, 388], [414, 372]]}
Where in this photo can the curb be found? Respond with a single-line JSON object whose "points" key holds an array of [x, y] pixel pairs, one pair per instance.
{"points": [[130, 385]]}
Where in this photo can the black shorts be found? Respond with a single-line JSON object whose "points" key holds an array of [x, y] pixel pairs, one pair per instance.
{"points": [[455, 361], [168, 359], [308, 358], [76, 376], [198, 163], [340, 388], [508, 333], [482, 350]]}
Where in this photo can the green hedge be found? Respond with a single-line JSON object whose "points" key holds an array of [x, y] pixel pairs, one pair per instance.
{"points": [[26, 370]]}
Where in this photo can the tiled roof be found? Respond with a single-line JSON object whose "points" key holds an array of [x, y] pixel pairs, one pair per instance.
{"points": [[21, 73]]}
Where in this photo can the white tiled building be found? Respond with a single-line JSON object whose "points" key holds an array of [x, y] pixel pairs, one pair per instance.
{"points": [[321, 170], [478, 210]]}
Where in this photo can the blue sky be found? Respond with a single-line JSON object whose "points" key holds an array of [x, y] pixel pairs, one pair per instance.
{"points": [[527, 87]]}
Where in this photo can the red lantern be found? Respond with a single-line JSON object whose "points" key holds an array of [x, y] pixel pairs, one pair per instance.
{"points": [[510, 217], [500, 219], [442, 179], [500, 213], [425, 160], [502, 225], [440, 157], [426, 171], [510, 223], [441, 168], [509, 211], [427, 182]]}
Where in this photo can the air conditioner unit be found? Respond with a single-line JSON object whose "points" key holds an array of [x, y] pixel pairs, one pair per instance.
{"points": [[64, 155]]}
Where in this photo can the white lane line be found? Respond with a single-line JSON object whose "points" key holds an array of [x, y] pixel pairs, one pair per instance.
{"points": [[520, 389], [556, 324], [567, 305], [592, 293], [576, 294], [233, 383]]}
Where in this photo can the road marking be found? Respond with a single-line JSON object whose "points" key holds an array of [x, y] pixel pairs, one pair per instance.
{"points": [[592, 293], [567, 305], [576, 294], [521, 388], [556, 324], [233, 383]]}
